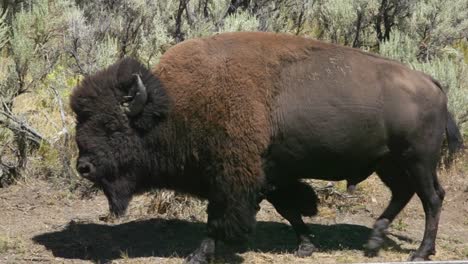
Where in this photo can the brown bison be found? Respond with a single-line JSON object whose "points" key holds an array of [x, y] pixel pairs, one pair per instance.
{"points": [[239, 117]]}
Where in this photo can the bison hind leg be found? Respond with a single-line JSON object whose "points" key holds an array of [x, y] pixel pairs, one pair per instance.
{"points": [[292, 201], [304, 197], [395, 177], [296, 196]]}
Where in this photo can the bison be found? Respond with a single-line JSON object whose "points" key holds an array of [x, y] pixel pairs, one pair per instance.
{"points": [[239, 117]]}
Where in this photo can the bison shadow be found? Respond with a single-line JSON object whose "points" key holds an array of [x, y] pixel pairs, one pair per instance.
{"points": [[170, 238]]}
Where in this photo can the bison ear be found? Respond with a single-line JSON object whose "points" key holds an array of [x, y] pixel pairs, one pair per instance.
{"points": [[136, 99]]}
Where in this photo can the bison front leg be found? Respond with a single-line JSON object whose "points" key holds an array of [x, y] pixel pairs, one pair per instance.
{"points": [[231, 218]]}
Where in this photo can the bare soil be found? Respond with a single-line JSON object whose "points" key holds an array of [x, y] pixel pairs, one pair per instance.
{"points": [[41, 223]]}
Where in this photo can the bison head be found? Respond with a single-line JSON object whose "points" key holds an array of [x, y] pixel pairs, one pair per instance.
{"points": [[115, 111]]}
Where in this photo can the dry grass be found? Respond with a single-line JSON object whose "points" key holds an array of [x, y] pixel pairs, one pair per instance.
{"points": [[9, 244], [163, 227], [54, 161], [171, 205]]}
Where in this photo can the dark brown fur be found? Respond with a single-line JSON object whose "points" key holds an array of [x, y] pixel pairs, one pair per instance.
{"points": [[238, 117]]}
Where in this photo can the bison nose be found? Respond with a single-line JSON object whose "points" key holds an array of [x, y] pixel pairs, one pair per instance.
{"points": [[85, 168]]}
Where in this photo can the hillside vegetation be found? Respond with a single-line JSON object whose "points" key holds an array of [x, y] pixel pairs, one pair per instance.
{"points": [[48, 46]]}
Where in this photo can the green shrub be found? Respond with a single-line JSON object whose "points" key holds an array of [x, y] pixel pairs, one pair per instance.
{"points": [[437, 23], [240, 21], [448, 67], [47, 46], [400, 47]]}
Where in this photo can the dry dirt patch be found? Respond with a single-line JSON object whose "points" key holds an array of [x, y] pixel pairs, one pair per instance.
{"points": [[41, 223]]}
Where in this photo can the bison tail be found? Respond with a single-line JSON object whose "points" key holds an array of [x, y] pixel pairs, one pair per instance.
{"points": [[454, 137]]}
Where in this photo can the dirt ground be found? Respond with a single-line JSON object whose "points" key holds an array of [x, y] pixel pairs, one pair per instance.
{"points": [[40, 223]]}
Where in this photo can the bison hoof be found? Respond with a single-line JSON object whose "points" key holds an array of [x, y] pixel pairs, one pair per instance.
{"points": [[108, 218], [204, 254], [351, 189], [372, 247], [196, 258], [414, 257], [370, 253], [305, 250]]}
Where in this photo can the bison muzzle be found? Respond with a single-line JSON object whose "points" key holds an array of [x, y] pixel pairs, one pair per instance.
{"points": [[239, 117]]}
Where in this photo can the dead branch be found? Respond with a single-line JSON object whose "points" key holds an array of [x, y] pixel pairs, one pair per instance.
{"points": [[64, 130], [7, 173], [234, 6], [24, 88], [65, 155], [330, 190], [20, 127], [76, 57], [178, 35]]}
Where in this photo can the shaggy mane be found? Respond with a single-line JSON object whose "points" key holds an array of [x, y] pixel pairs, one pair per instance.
{"points": [[104, 91]]}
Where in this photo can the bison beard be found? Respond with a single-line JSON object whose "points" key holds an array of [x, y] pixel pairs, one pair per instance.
{"points": [[118, 194], [240, 117]]}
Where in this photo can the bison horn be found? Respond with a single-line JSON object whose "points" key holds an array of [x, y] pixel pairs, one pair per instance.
{"points": [[137, 97]]}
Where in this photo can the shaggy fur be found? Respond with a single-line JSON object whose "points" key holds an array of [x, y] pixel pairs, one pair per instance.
{"points": [[103, 131], [237, 117]]}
